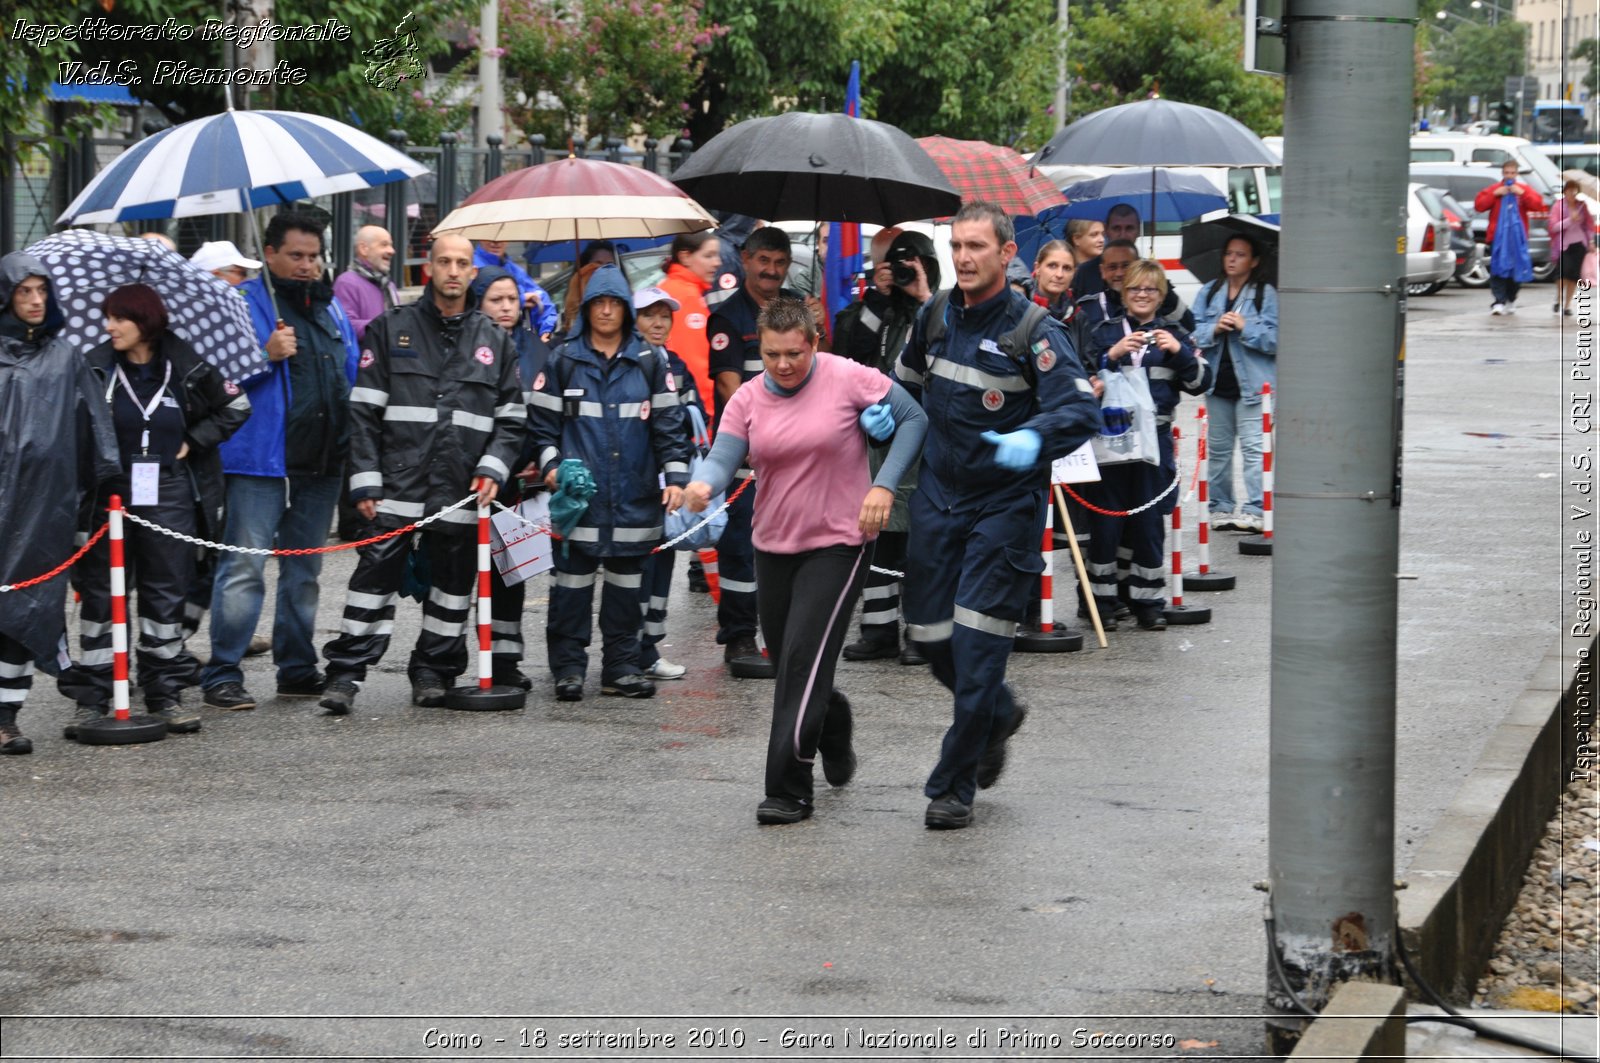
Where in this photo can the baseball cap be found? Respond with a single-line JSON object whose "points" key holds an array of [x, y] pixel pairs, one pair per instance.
{"points": [[219, 254], [650, 296]]}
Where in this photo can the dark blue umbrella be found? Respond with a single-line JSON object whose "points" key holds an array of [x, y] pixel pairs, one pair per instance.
{"points": [[1156, 133], [1157, 194]]}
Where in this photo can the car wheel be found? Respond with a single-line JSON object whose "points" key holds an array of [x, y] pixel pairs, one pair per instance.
{"points": [[1477, 276], [1546, 271]]}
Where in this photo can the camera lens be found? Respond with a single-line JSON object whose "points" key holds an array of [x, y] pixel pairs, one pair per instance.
{"points": [[904, 273]]}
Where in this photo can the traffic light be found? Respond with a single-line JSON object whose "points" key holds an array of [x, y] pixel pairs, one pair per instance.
{"points": [[1503, 113]]}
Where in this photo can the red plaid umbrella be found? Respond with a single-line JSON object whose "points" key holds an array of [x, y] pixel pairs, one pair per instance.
{"points": [[994, 173]]}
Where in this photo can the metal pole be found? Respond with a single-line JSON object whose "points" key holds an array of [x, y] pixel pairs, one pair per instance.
{"points": [[394, 199], [1331, 779], [491, 120], [1061, 64]]}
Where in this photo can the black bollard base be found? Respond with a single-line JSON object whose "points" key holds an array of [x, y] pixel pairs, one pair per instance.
{"points": [[1057, 640], [485, 699], [110, 731], [1184, 615], [1256, 546], [1208, 581]]}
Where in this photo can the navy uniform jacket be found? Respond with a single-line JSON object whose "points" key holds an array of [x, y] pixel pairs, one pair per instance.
{"points": [[628, 429], [428, 414], [1170, 374], [969, 386]]}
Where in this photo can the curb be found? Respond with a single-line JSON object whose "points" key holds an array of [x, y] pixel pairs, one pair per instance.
{"points": [[1464, 880]]}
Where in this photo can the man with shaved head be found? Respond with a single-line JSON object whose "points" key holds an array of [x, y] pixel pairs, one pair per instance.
{"points": [[436, 412], [365, 289]]}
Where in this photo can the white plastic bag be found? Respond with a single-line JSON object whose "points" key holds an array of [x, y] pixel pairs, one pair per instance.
{"points": [[1129, 433]]}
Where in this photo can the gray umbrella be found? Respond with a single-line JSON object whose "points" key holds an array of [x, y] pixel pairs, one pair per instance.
{"points": [[1156, 133], [818, 167]]}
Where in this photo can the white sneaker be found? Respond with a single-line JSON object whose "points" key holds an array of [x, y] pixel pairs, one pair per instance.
{"points": [[1250, 522], [1509, 308], [1497, 309], [665, 669]]}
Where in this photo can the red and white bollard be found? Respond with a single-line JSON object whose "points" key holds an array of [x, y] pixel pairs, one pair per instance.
{"points": [[1205, 579], [121, 728], [1176, 612], [1261, 545], [485, 695], [1049, 636]]}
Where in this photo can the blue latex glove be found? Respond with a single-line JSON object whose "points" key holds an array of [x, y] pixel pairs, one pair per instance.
{"points": [[878, 422], [1017, 451]]}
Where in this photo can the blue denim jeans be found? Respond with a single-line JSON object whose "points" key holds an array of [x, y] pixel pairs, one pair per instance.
{"points": [[267, 512], [1230, 422]]}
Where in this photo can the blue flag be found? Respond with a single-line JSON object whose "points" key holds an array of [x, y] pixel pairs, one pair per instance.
{"points": [[844, 238]]}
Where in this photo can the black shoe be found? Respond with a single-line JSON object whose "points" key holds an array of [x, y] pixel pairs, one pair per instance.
{"points": [[1108, 620], [947, 813], [82, 715], [569, 688], [428, 688], [339, 696], [312, 686], [778, 810], [993, 761], [1124, 611], [1151, 620], [746, 661], [698, 584], [180, 721], [231, 696], [513, 678], [912, 654], [14, 743], [629, 686], [838, 761], [871, 650]]}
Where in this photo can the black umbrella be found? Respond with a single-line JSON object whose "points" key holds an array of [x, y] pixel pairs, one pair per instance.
{"points": [[1156, 133], [1205, 240], [821, 167]]}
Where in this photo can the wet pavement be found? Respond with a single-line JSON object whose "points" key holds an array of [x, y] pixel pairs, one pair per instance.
{"points": [[595, 869]]}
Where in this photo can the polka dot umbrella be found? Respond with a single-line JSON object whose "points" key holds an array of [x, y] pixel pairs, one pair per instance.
{"points": [[85, 267]]}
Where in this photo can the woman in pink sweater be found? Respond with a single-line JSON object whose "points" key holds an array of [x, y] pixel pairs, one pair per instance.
{"points": [[796, 425], [1571, 236]]}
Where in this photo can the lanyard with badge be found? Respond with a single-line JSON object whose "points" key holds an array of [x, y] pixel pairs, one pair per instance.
{"points": [[145, 478]]}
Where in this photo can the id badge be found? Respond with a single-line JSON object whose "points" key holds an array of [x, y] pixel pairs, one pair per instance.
{"points": [[146, 482]]}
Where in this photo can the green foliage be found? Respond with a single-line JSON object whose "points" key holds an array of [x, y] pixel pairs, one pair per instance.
{"points": [[25, 80], [1186, 50], [1588, 52], [603, 67], [1474, 59], [971, 69]]}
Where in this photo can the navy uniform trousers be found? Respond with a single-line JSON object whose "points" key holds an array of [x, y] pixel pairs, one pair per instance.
{"points": [[736, 569], [571, 619], [967, 586], [374, 588]]}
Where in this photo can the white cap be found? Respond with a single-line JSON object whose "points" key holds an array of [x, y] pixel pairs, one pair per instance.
{"points": [[219, 254], [650, 296]]}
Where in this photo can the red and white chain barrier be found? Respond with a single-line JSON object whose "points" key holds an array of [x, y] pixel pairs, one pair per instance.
{"points": [[1086, 504], [119, 614], [261, 551], [53, 573]]}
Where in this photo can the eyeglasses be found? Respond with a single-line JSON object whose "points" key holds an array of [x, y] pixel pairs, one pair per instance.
{"points": [[1141, 291]]}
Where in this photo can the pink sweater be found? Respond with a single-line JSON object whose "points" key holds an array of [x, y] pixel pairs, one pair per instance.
{"points": [[809, 454]]}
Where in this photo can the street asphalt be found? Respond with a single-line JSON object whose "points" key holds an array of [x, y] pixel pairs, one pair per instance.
{"points": [[595, 869]]}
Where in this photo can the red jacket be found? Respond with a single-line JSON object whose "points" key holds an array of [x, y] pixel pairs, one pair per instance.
{"points": [[1528, 202]]}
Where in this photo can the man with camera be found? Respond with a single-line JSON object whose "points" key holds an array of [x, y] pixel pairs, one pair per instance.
{"points": [[872, 332]]}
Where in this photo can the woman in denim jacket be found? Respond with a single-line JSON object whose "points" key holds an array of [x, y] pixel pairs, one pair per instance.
{"points": [[1236, 329]]}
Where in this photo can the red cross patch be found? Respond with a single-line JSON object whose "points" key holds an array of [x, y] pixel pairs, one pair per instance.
{"points": [[993, 399], [696, 321], [230, 387], [644, 410], [727, 280], [672, 382], [719, 342], [367, 358], [1046, 360], [484, 355], [538, 382]]}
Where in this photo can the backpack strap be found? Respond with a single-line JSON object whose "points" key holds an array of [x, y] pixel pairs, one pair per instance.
{"points": [[1016, 342]]}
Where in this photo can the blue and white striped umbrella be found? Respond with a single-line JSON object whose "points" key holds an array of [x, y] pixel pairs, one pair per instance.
{"points": [[234, 161]]}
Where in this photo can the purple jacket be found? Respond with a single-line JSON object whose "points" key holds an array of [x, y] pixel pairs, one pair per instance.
{"points": [[362, 300]]}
